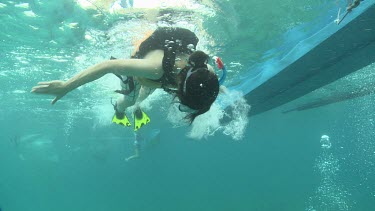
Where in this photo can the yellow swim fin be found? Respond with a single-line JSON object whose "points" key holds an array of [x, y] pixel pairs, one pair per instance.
{"points": [[140, 119], [121, 119]]}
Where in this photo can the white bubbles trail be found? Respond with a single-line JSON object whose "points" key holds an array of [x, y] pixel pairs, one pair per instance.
{"points": [[230, 119], [330, 194]]}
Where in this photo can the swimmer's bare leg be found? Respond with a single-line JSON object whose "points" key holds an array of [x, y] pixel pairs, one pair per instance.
{"points": [[144, 92], [123, 103]]}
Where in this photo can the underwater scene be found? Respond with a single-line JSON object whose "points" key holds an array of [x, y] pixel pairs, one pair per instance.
{"points": [[284, 118]]}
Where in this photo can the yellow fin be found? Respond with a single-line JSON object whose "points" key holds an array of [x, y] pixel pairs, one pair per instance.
{"points": [[121, 121], [140, 119]]}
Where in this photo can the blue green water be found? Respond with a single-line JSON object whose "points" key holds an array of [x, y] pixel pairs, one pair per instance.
{"points": [[70, 157]]}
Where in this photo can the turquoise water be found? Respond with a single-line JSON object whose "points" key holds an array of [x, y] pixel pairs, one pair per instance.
{"points": [[70, 157]]}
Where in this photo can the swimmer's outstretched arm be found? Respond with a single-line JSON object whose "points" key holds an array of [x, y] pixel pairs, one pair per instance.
{"points": [[150, 68]]}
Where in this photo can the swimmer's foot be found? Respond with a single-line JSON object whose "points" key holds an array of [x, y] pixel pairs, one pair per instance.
{"points": [[120, 118], [140, 119]]}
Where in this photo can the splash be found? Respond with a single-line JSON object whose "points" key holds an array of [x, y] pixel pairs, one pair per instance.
{"points": [[230, 120], [156, 98], [36, 147], [103, 114]]}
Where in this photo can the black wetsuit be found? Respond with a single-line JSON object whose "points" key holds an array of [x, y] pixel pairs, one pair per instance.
{"points": [[172, 40]]}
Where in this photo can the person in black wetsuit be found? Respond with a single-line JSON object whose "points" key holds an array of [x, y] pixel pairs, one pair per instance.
{"points": [[167, 60]]}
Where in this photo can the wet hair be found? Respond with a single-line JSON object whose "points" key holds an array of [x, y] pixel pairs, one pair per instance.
{"points": [[202, 86]]}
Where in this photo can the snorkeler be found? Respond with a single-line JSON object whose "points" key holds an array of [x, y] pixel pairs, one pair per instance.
{"points": [[168, 60], [351, 6]]}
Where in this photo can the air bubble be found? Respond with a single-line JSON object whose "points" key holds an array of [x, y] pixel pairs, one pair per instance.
{"points": [[191, 47], [324, 140]]}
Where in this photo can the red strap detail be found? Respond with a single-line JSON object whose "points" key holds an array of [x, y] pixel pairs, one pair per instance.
{"points": [[219, 63]]}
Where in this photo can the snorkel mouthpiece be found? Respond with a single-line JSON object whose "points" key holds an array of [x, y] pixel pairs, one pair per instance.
{"points": [[221, 66], [219, 63]]}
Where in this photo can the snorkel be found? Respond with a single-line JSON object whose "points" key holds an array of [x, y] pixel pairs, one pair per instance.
{"points": [[221, 66]]}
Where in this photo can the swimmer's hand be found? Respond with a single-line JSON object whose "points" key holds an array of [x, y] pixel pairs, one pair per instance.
{"points": [[55, 88], [132, 157], [223, 90]]}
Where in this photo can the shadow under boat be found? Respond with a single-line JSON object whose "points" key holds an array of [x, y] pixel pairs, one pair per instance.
{"points": [[349, 49], [335, 98]]}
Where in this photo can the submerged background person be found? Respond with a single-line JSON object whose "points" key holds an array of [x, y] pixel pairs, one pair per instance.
{"points": [[137, 147], [167, 59], [142, 141]]}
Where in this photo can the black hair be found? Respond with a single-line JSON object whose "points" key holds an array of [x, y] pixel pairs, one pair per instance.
{"points": [[202, 87]]}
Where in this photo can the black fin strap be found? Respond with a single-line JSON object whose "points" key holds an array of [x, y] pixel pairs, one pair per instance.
{"points": [[117, 113], [129, 80], [119, 76], [170, 91]]}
